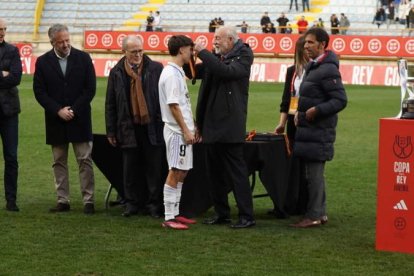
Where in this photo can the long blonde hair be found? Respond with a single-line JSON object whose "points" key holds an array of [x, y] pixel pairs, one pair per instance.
{"points": [[301, 58]]}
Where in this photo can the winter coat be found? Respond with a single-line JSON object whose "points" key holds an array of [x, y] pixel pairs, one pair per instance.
{"points": [[76, 89], [321, 88], [9, 94], [118, 113], [222, 103]]}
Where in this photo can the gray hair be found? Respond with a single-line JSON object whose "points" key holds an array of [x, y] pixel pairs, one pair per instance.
{"points": [[132, 38], [56, 28], [230, 31]]}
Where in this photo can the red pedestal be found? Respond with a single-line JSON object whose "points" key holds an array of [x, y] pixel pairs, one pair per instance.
{"points": [[395, 206]]}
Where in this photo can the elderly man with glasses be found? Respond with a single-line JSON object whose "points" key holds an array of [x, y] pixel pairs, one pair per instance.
{"points": [[134, 124]]}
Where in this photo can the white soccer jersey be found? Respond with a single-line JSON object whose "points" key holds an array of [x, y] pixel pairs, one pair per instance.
{"points": [[173, 90]]}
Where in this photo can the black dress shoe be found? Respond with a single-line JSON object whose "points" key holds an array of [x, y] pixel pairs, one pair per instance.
{"points": [[217, 220], [130, 212], [243, 223], [89, 209], [60, 207], [278, 214], [11, 206]]}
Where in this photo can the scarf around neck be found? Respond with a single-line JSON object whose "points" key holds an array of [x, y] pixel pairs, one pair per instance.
{"points": [[138, 103]]}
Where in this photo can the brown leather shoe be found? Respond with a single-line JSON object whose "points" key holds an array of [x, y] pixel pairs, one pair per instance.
{"points": [[306, 223], [60, 207], [324, 219]]}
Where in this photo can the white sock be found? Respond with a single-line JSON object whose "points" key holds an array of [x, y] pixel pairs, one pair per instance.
{"points": [[169, 201], [177, 199]]}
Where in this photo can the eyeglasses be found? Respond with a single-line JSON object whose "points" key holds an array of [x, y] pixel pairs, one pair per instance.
{"points": [[136, 52]]}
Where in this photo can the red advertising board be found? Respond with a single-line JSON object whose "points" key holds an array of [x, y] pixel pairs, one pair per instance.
{"points": [[395, 198], [276, 72], [389, 46], [26, 56]]}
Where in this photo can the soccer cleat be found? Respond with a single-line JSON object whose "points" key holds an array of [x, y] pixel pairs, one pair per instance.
{"points": [[174, 225], [185, 220]]}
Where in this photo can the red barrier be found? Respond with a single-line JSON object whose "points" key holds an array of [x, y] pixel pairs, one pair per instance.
{"points": [[395, 199], [262, 43]]}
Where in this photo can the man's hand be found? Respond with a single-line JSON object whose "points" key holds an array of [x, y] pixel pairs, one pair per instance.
{"points": [[311, 114], [198, 138], [198, 47], [112, 141], [5, 73], [66, 113], [189, 138]]}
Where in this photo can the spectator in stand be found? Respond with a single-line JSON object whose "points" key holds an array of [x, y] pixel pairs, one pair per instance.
{"points": [[282, 21], [288, 28], [157, 22], [264, 21], [390, 14], [220, 22], [344, 24], [212, 26], [411, 20], [379, 17], [334, 24], [150, 22], [296, 4], [243, 27], [403, 12], [321, 24], [305, 4], [397, 8], [302, 25]]}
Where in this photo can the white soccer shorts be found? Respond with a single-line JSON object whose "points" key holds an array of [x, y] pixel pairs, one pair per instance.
{"points": [[179, 155]]}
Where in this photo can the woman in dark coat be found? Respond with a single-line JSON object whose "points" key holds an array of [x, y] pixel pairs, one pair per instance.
{"points": [[296, 194]]}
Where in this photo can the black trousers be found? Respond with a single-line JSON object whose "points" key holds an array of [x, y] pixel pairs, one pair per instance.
{"points": [[145, 170], [227, 170]]}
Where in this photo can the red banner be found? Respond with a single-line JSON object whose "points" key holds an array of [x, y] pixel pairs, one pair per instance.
{"points": [[262, 43], [260, 71], [395, 200], [276, 72], [26, 56]]}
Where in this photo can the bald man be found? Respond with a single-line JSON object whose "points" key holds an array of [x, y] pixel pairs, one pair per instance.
{"points": [[10, 76], [134, 124]]}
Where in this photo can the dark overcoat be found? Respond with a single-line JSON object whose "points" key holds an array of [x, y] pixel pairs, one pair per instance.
{"points": [[222, 102], [9, 94], [76, 89], [118, 114]]}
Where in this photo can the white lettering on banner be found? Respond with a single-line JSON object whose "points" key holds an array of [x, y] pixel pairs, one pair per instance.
{"points": [[392, 77], [26, 63], [109, 64], [258, 70], [282, 72], [401, 179], [401, 167], [362, 74]]}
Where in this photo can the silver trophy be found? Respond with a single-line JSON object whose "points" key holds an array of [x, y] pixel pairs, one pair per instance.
{"points": [[407, 84]]}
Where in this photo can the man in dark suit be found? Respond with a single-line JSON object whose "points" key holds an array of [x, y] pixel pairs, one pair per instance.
{"points": [[221, 119], [10, 76], [134, 123], [64, 84]]}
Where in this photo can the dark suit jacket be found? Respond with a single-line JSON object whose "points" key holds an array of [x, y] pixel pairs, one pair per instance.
{"points": [[54, 91], [222, 102], [9, 95]]}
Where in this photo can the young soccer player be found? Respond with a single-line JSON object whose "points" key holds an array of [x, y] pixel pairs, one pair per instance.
{"points": [[179, 128]]}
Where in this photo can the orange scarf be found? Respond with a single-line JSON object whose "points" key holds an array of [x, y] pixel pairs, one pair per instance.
{"points": [[138, 103]]}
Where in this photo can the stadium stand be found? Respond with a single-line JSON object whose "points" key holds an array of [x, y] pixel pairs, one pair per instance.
{"points": [[183, 15]]}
